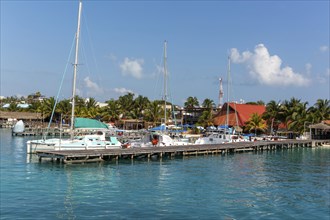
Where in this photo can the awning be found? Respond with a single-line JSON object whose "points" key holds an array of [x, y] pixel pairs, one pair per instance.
{"points": [[159, 128], [89, 123], [320, 126]]}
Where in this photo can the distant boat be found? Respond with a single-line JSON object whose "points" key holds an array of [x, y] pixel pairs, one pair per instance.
{"points": [[156, 139], [157, 136], [96, 141], [222, 134], [213, 138], [19, 127]]}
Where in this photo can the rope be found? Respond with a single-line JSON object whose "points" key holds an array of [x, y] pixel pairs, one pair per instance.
{"points": [[59, 91]]}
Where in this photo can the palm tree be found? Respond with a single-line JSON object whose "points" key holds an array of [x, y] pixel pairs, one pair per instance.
{"points": [[208, 103], [260, 102], [126, 104], [13, 107], [111, 112], [294, 114], [64, 109], [320, 110], [271, 115], [34, 107], [80, 111], [92, 112], [47, 107], [256, 124], [79, 102], [298, 118], [205, 119], [140, 104], [12, 99], [91, 109], [191, 102], [91, 103], [287, 108], [154, 113]]}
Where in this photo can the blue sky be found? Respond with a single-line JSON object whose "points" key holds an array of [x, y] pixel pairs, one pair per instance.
{"points": [[278, 49]]}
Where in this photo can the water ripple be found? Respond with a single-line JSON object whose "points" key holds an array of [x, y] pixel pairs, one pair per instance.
{"points": [[289, 184]]}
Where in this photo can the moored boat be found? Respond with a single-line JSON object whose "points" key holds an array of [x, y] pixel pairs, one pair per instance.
{"points": [[19, 127], [95, 141], [155, 139], [86, 142]]}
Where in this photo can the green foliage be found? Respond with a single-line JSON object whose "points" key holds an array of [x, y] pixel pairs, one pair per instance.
{"points": [[208, 103], [255, 124], [154, 112], [320, 110], [191, 103], [205, 119], [272, 115], [293, 113], [260, 102], [111, 112]]}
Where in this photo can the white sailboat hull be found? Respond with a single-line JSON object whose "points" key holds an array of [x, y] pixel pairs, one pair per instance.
{"points": [[88, 142]]}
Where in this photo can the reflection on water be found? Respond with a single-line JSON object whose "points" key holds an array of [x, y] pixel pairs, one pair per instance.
{"points": [[288, 184], [68, 200]]}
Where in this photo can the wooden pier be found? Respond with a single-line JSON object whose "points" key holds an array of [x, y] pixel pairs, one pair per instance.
{"points": [[84, 156], [41, 131]]}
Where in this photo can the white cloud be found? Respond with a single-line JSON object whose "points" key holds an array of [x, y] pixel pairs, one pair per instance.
{"points": [[132, 67], [267, 68], [324, 48], [308, 67], [122, 91], [237, 58], [112, 57], [79, 92], [323, 78], [92, 86]]}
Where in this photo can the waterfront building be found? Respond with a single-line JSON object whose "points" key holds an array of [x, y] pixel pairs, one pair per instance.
{"points": [[237, 114], [8, 119]]}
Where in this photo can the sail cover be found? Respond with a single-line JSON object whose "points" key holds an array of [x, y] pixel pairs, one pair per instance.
{"points": [[89, 123]]}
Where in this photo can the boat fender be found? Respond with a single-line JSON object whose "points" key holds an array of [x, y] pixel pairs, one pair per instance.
{"points": [[154, 141]]}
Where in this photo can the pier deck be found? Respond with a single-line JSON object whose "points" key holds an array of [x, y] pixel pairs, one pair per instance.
{"points": [[83, 156]]}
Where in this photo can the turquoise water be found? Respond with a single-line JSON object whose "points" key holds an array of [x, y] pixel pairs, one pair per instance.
{"points": [[288, 184]]}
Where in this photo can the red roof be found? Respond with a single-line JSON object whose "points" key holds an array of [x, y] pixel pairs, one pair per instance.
{"points": [[327, 122], [243, 114]]}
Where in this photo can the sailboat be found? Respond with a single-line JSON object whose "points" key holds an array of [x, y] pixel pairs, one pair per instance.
{"points": [[223, 134], [96, 141], [157, 136]]}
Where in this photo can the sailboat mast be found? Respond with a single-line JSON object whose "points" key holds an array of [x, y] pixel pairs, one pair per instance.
{"points": [[165, 80], [75, 69], [228, 79]]}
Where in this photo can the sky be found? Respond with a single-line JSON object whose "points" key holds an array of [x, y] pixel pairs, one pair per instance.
{"points": [[277, 49]]}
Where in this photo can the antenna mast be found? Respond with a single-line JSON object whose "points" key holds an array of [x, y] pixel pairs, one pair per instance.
{"points": [[220, 93]]}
